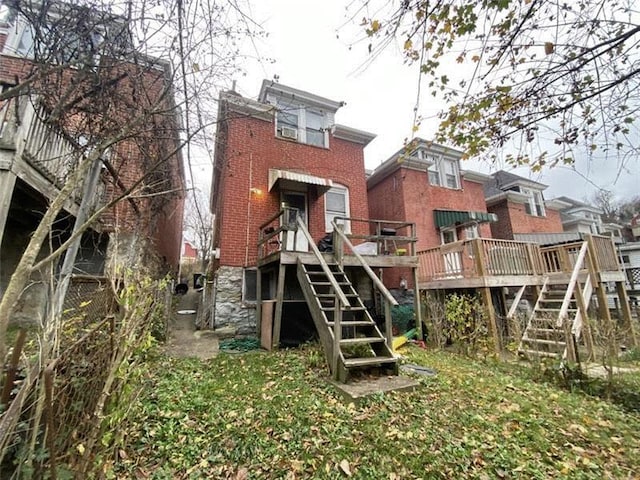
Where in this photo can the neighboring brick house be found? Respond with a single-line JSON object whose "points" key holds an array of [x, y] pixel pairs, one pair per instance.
{"points": [[284, 149], [424, 184], [38, 147], [520, 207], [581, 218]]}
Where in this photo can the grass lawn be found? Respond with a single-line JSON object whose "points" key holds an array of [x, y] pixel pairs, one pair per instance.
{"points": [[273, 415]]}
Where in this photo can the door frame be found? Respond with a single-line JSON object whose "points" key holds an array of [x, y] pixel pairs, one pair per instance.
{"points": [[302, 244]]}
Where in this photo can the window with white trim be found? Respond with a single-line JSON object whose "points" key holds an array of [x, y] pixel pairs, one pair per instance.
{"points": [[471, 232], [336, 204], [305, 125], [444, 172], [535, 202], [249, 285]]}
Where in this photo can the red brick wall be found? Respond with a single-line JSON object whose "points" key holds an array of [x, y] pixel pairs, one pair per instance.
{"points": [[407, 195], [250, 150], [101, 113], [512, 219]]}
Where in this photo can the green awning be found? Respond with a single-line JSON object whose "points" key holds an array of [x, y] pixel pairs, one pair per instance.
{"points": [[449, 218]]}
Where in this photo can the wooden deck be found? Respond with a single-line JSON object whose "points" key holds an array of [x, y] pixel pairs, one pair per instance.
{"points": [[390, 244], [485, 262]]}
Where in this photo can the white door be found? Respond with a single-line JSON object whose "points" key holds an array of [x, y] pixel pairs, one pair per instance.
{"points": [[452, 259], [296, 200]]}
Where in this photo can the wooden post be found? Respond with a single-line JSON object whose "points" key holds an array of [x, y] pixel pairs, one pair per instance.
{"points": [[586, 324], [7, 184], [338, 246], [626, 312], [258, 302], [417, 304], [337, 337], [491, 313], [277, 321], [388, 325]]}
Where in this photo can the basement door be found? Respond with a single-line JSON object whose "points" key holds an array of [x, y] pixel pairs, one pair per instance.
{"points": [[297, 200]]}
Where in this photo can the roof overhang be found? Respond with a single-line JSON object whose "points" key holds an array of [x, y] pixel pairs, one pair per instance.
{"points": [[459, 218], [510, 196], [306, 98], [476, 177], [276, 175], [353, 134], [556, 204]]}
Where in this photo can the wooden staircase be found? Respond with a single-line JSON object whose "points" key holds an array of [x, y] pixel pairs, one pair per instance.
{"points": [[559, 316], [361, 344], [350, 337]]}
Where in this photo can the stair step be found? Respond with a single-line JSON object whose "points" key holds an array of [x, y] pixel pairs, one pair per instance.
{"points": [[545, 330], [345, 309], [332, 295], [329, 283], [357, 341], [538, 353], [544, 341], [362, 362], [556, 310], [354, 323]]}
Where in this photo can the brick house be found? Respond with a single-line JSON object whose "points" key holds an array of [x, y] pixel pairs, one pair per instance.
{"points": [[39, 146], [424, 184], [520, 207], [282, 166]]}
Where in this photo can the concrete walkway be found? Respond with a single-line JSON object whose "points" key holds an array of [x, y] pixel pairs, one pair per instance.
{"points": [[184, 340]]}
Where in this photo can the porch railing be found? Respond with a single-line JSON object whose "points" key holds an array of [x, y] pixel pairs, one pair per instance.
{"points": [[39, 144], [493, 257], [280, 233]]}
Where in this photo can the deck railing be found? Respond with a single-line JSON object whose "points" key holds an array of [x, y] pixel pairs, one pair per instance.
{"points": [[40, 145], [493, 257], [280, 233]]}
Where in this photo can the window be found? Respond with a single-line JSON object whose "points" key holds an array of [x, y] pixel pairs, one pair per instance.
{"points": [[444, 173], [535, 203], [315, 130], [249, 285], [471, 232], [304, 125], [336, 204]]}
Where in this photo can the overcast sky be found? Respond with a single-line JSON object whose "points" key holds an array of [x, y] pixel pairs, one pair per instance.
{"points": [[381, 97]]}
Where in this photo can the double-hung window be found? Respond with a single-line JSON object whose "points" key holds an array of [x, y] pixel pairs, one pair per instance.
{"points": [[295, 122], [444, 172], [535, 203], [336, 204]]}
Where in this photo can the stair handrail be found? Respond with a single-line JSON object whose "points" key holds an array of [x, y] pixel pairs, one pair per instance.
{"points": [[325, 268], [564, 309], [376, 281]]}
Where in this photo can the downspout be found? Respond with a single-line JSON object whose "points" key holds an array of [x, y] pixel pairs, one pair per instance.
{"points": [[246, 248]]}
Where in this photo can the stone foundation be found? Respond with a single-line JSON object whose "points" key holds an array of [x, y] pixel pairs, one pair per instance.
{"points": [[229, 309]]}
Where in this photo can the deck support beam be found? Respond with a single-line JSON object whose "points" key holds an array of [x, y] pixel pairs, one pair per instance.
{"points": [[277, 321], [626, 312], [417, 304], [491, 317]]}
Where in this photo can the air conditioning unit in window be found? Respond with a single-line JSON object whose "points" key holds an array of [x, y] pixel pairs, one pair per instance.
{"points": [[287, 132]]}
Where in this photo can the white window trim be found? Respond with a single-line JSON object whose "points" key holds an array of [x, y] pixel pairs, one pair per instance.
{"points": [[347, 224], [301, 112], [438, 167], [475, 232], [532, 196], [446, 230]]}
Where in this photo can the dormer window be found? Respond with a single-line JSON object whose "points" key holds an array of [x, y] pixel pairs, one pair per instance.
{"points": [[535, 203], [444, 172], [305, 125]]}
